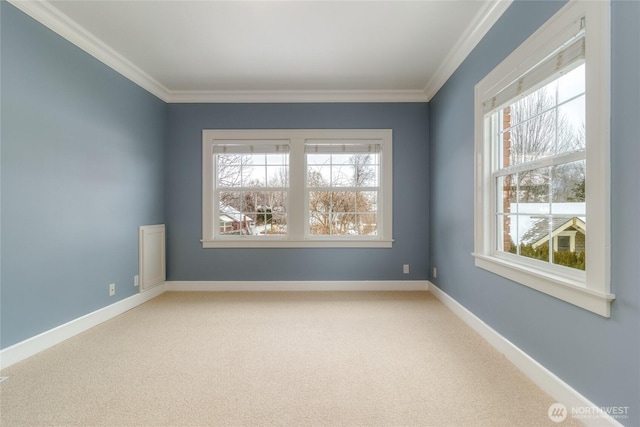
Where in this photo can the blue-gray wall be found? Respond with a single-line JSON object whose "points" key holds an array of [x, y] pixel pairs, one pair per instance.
{"points": [[187, 260], [82, 161], [83, 155], [598, 357]]}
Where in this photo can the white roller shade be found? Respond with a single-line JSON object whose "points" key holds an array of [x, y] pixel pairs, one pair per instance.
{"points": [[342, 146], [561, 62], [251, 147]]}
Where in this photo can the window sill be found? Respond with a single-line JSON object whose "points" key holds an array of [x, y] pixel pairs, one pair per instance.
{"points": [[273, 243], [565, 289]]}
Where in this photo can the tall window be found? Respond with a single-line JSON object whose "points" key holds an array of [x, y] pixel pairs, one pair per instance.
{"points": [[541, 121], [297, 188], [538, 141]]}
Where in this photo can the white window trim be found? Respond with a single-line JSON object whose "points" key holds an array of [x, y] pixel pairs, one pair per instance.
{"points": [[297, 212], [590, 291]]}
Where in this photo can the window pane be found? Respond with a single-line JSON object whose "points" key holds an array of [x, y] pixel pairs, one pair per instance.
{"points": [[231, 159], [367, 201], [535, 137], [503, 143], [568, 185], [270, 215], [343, 224], [507, 227], [320, 212], [367, 224], [253, 213], [367, 168], [255, 176], [233, 220], [343, 201], [342, 159], [276, 159], [230, 199], [342, 213], [506, 194], [561, 236], [343, 170], [318, 176], [318, 159], [536, 127], [533, 191], [571, 84], [277, 176], [368, 177], [250, 170], [535, 239], [343, 175], [228, 174], [571, 127], [569, 243]]}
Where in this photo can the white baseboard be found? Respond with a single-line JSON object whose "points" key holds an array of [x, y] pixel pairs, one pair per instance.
{"points": [[40, 342], [262, 286], [545, 379]]}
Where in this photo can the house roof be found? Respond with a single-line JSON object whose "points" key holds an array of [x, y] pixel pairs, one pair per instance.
{"points": [[539, 232], [233, 214]]}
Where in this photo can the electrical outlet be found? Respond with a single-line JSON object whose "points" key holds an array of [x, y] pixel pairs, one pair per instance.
{"points": [[112, 289], [136, 280], [435, 273], [405, 269]]}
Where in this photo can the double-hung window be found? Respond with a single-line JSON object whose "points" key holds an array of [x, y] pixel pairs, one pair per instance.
{"points": [[297, 188], [342, 188], [542, 131], [251, 187]]}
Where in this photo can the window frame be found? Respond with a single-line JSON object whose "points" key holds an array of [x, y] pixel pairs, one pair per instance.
{"points": [[590, 290], [341, 149], [298, 212], [257, 147]]}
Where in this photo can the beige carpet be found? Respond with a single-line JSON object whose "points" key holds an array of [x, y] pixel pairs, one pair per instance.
{"points": [[282, 358]]}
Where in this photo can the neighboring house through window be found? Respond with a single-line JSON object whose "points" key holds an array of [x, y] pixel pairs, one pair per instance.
{"points": [[541, 120]]}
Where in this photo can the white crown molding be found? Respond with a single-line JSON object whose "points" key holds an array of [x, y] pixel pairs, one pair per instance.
{"points": [[49, 16], [236, 96], [481, 24]]}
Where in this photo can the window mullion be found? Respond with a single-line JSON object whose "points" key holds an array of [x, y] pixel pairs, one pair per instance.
{"points": [[298, 199]]}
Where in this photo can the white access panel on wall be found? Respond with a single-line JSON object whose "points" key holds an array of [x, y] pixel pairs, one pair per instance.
{"points": [[151, 256]]}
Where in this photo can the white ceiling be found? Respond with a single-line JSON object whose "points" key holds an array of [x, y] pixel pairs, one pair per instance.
{"points": [[185, 51]]}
